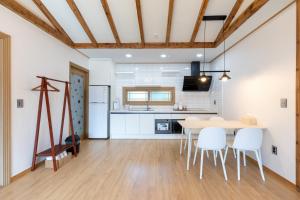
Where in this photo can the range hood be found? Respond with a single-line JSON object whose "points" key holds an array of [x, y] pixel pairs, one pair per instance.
{"points": [[192, 83]]}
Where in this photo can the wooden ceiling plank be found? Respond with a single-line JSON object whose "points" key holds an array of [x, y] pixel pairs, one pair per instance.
{"points": [[140, 20], [81, 20], [199, 20], [51, 18], [169, 24], [110, 21], [230, 17], [29, 16], [251, 10], [154, 45]]}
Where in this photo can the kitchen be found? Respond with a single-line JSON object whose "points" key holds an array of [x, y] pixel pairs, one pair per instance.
{"points": [[150, 99]]}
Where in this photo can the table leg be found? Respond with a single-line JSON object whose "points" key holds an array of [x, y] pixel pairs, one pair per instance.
{"points": [[189, 150]]}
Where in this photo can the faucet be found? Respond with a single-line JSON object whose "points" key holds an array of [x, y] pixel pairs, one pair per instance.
{"points": [[148, 108]]}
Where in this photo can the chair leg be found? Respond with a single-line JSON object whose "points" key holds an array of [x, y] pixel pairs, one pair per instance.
{"points": [[201, 164], [226, 151], [207, 154], [185, 142], [244, 158], [195, 155], [260, 165], [181, 141], [238, 165], [234, 153], [223, 165], [215, 158]]}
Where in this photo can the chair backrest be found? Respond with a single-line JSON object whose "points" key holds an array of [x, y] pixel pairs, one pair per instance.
{"points": [[248, 139], [216, 118], [212, 138]]}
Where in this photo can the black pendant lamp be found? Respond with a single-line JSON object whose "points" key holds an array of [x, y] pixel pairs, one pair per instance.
{"points": [[203, 77], [224, 77]]}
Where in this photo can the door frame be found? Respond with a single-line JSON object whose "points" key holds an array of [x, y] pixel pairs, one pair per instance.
{"points": [[74, 68], [5, 89]]}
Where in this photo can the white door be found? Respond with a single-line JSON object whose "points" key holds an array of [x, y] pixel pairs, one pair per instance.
{"points": [[98, 120]]}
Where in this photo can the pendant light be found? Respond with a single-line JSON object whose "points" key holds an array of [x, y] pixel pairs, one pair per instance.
{"points": [[224, 77], [203, 77]]}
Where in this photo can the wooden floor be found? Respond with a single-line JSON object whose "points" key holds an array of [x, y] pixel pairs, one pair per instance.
{"points": [[141, 170]]}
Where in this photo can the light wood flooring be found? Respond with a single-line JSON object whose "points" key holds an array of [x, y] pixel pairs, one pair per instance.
{"points": [[141, 170]]}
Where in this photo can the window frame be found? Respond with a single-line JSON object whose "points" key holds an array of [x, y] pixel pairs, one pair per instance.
{"points": [[148, 89]]}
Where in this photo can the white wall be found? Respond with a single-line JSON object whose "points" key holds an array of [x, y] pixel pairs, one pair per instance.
{"points": [[34, 52], [167, 75], [263, 70]]}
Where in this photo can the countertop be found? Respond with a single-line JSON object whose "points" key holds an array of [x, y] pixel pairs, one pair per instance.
{"points": [[163, 111]]}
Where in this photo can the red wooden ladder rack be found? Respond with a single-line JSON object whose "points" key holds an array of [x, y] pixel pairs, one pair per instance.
{"points": [[54, 150]]}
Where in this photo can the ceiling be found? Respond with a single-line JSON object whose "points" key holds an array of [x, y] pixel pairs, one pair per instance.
{"points": [[155, 18]]}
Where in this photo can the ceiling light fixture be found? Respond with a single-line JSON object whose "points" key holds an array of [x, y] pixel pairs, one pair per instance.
{"points": [[163, 55], [203, 77], [128, 55], [199, 55], [224, 77]]}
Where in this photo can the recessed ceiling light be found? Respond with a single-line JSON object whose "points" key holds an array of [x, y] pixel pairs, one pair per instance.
{"points": [[163, 55], [199, 55], [128, 55]]}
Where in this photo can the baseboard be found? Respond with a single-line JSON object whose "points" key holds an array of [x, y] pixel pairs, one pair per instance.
{"points": [[25, 172], [274, 174]]}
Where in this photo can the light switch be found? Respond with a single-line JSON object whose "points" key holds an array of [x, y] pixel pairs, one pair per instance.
{"points": [[20, 103], [283, 103]]}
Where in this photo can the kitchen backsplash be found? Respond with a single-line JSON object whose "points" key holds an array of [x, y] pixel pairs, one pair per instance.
{"points": [[162, 75]]}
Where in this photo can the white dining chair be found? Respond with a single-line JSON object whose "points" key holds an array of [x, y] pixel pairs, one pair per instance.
{"points": [[184, 133], [248, 139], [213, 139], [215, 118]]}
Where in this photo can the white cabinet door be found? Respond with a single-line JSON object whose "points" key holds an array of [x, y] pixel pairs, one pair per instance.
{"points": [[132, 124], [147, 124], [117, 124]]}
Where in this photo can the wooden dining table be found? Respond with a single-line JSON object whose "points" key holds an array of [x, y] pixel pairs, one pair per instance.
{"points": [[189, 125]]}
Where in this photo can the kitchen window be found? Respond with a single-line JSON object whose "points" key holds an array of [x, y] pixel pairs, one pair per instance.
{"points": [[148, 95]]}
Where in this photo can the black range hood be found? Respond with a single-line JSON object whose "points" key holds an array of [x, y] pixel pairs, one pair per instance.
{"points": [[193, 83]]}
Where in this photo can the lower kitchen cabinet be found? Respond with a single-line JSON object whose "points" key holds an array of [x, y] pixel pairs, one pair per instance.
{"points": [[117, 124], [132, 124], [147, 125], [141, 126]]}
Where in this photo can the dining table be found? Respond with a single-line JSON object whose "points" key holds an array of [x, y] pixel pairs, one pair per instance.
{"points": [[189, 125]]}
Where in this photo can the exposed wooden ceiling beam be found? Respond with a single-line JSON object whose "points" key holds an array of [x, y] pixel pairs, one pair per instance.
{"points": [[170, 16], [199, 19], [29, 16], [155, 45], [230, 17], [81, 20], [110, 21], [140, 20], [50, 17], [251, 10]]}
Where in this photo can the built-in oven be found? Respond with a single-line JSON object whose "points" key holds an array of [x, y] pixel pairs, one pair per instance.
{"points": [[167, 126], [163, 126]]}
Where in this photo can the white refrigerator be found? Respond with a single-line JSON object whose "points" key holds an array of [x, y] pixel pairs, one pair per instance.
{"points": [[99, 110]]}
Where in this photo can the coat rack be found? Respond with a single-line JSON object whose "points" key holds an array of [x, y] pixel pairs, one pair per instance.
{"points": [[54, 150]]}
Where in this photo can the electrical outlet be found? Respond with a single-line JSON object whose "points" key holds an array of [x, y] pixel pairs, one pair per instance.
{"points": [[20, 103], [274, 150], [283, 103]]}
